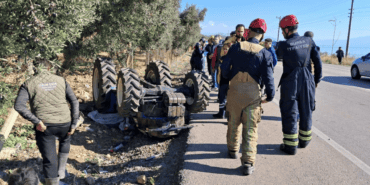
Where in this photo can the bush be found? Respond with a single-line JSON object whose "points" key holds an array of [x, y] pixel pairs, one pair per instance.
{"points": [[8, 93]]}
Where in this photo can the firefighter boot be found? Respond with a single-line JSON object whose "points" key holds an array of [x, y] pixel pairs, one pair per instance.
{"points": [[62, 161], [233, 154], [52, 181], [220, 114], [248, 168], [292, 150], [303, 144]]}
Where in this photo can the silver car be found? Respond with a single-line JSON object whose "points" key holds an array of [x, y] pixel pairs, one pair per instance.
{"points": [[361, 67]]}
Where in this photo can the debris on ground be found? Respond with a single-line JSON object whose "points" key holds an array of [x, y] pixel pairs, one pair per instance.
{"points": [[141, 179], [90, 180]]}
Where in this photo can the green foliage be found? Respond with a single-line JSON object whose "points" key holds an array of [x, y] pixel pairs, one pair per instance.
{"points": [[20, 135], [188, 32], [8, 93], [42, 27], [12, 141], [5, 71]]}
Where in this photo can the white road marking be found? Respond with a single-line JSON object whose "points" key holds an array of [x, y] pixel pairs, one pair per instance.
{"points": [[337, 147]]}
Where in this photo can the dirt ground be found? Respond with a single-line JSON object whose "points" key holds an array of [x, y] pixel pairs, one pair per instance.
{"points": [[90, 145]]}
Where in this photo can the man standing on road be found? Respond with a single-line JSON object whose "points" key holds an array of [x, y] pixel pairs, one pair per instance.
{"points": [[246, 65], [210, 56], [220, 51], [209, 50], [268, 46], [340, 55], [297, 95], [196, 57], [49, 96]]}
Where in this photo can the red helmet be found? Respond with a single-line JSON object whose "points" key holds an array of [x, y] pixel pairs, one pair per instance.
{"points": [[258, 23], [289, 20]]}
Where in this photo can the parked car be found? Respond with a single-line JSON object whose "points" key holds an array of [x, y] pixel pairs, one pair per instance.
{"points": [[361, 67]]}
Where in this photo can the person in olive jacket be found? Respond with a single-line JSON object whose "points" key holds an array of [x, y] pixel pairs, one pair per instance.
{"points": [[48, 96]]}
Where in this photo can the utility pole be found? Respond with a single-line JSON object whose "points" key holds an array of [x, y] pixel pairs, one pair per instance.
{"points": [[335, 26], [278, 27], [349, 28]]}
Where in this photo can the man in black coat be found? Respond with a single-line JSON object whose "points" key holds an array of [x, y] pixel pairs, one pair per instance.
{"points": [[340, 55], [196, 58]]}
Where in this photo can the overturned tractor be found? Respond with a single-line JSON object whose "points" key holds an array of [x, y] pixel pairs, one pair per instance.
{"points": [[152, 104]]}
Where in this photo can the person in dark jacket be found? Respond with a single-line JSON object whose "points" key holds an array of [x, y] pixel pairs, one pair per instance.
{"points": [[210, 48], [239, 30], [246, 65], [196, 58], [340, 55], [49, 95], [232, 34], [268, 46], [220, 51], [298, 85]]}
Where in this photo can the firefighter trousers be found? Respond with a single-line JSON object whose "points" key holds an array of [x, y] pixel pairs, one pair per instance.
{"points": [[297, 98], [244, 108]]}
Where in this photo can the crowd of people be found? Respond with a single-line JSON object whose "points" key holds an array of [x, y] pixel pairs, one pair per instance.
{"points": [[242, 69]]}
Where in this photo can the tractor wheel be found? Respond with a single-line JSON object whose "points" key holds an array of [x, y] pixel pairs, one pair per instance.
{"points": [[197, 101], [158, 73], [104, 80], [207, 91], [128, 92]]}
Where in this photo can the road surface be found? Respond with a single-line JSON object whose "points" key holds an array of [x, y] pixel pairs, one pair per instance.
{"points": [[338, 154]]}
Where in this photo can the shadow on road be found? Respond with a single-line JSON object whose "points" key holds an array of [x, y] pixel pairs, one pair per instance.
{"points": [[208, 151], [271, 118], [213, 169], [269, 149], [344, 80], [219, 151]]}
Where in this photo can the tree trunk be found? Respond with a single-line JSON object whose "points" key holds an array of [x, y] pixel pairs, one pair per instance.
{"points": [[132, 59]]}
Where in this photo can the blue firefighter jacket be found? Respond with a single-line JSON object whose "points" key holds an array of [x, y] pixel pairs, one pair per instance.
{"points": [[294, 51], [258, 65]]}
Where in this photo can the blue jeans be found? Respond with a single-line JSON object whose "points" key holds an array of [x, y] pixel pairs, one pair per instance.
{"points": [[214, 78]]}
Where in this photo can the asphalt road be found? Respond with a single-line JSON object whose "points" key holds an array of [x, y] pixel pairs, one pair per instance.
{"points": [[338, 153], [342, 109]]}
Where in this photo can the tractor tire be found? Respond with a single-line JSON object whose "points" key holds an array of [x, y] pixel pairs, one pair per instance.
{"points": [[207, 93], [158, 73], [197, 102], [129, 92], [104, 80]]}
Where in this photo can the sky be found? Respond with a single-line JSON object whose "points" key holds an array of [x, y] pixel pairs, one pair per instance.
{"points": [[313, 15]]}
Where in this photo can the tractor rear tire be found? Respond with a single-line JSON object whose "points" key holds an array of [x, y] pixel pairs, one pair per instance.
{"points": [[158, 73], [207, 92], [104, 80], [129, 92], [197, 102]]}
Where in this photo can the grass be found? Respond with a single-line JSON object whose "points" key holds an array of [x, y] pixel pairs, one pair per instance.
{"points": [[332, 59]]}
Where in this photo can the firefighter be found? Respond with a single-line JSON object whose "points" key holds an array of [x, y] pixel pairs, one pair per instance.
{"points": [[49, 96], [220, 51], [246, 65], [297, 85]]}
